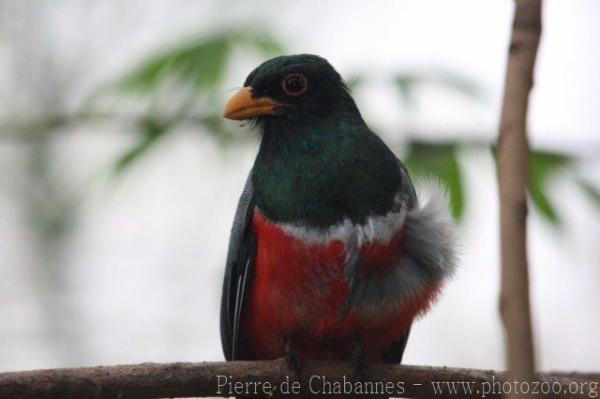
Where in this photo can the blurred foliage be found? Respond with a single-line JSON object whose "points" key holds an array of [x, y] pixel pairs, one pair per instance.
{"points": [[409, 83], [543, 166], [198, 65], [439, 160], [442, 161], [152, 131], [590, 190], [185, 84]]}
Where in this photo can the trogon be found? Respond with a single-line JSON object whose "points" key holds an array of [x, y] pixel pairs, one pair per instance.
{"points": [[331, 254]]}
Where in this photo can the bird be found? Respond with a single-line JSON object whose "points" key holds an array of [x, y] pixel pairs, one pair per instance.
{"points": [[332, 255]]}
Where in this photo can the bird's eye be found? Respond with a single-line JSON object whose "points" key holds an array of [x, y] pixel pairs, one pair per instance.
{"points": [[294, 84]]}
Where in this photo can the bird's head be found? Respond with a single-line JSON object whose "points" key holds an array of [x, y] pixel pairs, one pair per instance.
{"points": [[291, 89]]}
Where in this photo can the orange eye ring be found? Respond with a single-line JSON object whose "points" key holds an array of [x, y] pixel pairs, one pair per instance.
{"points": [[294, 84]]}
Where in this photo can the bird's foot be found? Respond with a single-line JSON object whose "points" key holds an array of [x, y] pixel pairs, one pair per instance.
{"points": [[359, 364], [293, 363], [292, 360]]}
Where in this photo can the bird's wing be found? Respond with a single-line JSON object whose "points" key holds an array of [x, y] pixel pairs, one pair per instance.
{"points": [[396, 350], [238, 272]]}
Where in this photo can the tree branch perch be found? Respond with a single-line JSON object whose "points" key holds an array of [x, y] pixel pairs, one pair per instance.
{"points": [[153, 380]]}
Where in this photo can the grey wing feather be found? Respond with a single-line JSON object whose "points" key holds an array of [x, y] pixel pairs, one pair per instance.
{"points": [[238, 273]]}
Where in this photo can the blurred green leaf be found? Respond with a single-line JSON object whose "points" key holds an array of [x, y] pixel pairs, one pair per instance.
{"points": [[409, 82], [152, 131], [194, 69], [543, 166], [542, 203], [200, 63], [438, 160], [590, 190], [195, 65]]}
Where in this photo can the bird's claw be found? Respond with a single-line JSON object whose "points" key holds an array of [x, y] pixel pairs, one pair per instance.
{"points": [[293, 362], [292, 359], [360, 364]]}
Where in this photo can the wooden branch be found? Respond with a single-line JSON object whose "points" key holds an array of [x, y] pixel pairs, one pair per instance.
{"points": [[513, 153], [152, 380]]}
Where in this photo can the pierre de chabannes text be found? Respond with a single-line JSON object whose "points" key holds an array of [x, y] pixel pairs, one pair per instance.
{"points": [[322, 385]]}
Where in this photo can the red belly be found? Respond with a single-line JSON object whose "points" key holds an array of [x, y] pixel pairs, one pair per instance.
{"points": [[298, 296]]}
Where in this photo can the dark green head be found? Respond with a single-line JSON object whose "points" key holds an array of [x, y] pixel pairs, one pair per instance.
{"points": [[318, 162], [292, 90]]}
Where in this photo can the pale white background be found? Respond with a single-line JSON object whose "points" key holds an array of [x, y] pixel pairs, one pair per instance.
{"points": [[137, 277]]}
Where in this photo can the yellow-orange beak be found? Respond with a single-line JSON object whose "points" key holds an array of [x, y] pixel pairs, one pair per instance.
{"points": [[242, 106]]}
